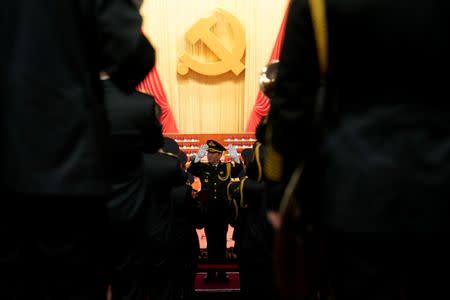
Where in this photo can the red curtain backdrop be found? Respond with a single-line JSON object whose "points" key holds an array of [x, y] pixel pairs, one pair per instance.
{"points": [[152, 85], [262, 104]]}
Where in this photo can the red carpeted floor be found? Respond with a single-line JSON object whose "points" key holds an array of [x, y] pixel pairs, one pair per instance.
{"points": [[232, 285], [213, 290]]}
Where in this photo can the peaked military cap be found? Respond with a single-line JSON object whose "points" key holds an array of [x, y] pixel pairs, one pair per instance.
{"points": [[247, 155], [214, 146], [171, 146]]}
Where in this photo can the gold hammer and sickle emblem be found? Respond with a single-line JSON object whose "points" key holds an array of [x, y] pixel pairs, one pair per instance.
{"points": [[228, 60]]}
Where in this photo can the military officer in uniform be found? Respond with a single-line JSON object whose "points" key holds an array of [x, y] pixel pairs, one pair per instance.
{"points": [[164, 176], [253, 234], [383, 197], [214, 177]]}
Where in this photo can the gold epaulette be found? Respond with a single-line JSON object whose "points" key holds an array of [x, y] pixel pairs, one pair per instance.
{"points": [[169, 154], [258, 160], [273, 165], [228, 174]]}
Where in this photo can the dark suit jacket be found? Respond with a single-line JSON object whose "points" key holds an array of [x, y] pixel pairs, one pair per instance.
{"points": [[163, 173], [388, 163], [186, 213], [252, 233], [134, 129], [53, 120]]}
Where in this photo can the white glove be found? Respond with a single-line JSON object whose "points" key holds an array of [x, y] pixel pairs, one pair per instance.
{"points": [[233, 154], [104, 75], [201, 153]]}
